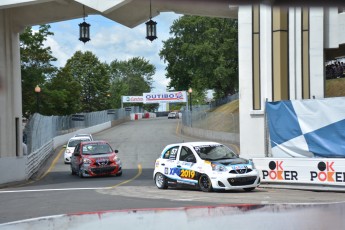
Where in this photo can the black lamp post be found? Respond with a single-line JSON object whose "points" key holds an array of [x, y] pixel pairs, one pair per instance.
{"points": [[151, 28], [37, 91], [84, 30], [190, 91]]}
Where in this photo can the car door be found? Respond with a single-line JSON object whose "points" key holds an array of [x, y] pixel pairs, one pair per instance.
{"points": [[75, 158], [187, 166], [167, 163]]}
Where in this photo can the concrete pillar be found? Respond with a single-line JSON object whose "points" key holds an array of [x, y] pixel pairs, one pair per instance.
{"points": [[10, 88]]}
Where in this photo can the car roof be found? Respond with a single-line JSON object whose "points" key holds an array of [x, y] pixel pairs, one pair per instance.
{"points": [[94, 142], [82, 135], [195, 143], [80, 138]]}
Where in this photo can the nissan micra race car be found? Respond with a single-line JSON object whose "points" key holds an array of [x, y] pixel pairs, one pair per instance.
{"points": [[205, 165]]}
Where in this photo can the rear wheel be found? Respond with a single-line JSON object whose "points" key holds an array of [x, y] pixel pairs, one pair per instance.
{"points": [[161, 181], [205, 183]]}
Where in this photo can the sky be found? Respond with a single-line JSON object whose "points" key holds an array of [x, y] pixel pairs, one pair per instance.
{"points": [[111, 40]]}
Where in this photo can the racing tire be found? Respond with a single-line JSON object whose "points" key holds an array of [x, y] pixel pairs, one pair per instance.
{"points": [[72, 171], [80, 173], [249, 189], [205, 184], [119, 174], [161, 181]]}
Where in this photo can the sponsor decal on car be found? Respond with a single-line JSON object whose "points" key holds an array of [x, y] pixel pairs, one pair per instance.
{"points": [[183, 173]]}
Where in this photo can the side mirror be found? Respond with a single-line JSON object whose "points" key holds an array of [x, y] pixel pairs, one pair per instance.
{"points": [[116, 151]]}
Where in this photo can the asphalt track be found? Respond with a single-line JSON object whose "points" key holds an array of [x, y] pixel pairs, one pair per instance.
{"points": [[55, 191]]}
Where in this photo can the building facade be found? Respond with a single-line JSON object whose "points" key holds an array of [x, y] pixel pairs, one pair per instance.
{"points": [[282, 55]]}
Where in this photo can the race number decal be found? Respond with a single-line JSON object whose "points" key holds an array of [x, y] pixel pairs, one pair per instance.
{"points": [[190, 174]]}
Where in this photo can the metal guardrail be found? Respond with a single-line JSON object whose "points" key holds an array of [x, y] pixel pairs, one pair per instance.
{"points": [[40, 129], [37, 158]]}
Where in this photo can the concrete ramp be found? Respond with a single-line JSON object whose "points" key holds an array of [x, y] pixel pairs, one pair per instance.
{"points": [[278, 216]]}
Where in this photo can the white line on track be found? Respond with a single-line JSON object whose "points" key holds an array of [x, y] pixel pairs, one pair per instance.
{"points": [[49, 190]]}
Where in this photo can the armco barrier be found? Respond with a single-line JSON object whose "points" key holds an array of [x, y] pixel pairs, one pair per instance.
{"points": [[268, 217], [309, 171]]}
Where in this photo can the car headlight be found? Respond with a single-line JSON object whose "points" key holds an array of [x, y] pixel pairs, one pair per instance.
{"points": [[86, 161], [218, 167], [117, 160]]}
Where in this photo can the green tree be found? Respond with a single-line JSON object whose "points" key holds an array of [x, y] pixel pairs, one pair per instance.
{"points": [[202, 54], [60, 95], [36, 64], [93, 76], [130, 78]]}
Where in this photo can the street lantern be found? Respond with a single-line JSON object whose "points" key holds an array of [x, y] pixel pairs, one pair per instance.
{"points": [[37, 91], [151, 28], [84, 30]]}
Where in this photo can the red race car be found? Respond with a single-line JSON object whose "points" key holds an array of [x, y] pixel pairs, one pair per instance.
{"points": [[95, 158]]}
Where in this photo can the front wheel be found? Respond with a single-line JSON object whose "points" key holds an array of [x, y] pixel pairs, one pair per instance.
{"points": [[161, 181], [72, 171], [119, 174], [205, 183], [80, 173]]}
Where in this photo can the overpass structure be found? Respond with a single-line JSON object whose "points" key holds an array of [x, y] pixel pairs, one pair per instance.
{"points": [[282, 53]]}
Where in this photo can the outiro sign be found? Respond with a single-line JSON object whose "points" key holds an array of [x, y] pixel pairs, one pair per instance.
{"points": [[179, 96]]}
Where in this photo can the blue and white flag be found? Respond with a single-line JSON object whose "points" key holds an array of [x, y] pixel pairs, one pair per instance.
{"points": [[307, 128]]}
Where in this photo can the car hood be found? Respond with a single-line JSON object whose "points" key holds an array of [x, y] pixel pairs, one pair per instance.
{"points": [[234, 161], [103, 155]]}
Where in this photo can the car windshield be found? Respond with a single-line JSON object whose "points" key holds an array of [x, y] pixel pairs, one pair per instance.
{"points": [[214, 152], [73, 143], [96, 148]]}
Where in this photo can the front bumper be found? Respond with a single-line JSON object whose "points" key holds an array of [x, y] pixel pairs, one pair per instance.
{"points": [[228, 181], [67, 158], [91, 171]]}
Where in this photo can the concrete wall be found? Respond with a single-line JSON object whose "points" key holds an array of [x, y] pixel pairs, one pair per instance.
{"points": [[246, 216]]}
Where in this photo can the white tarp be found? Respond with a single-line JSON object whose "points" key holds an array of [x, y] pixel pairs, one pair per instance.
{"points": [[307, 128]]}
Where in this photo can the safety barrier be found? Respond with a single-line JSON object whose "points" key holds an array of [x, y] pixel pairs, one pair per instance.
{"points": [[268, 217], [328, 172]]}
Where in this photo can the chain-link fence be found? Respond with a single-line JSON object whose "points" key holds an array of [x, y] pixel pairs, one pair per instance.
{"points": [[40, 129], [206, 117], [216, 121]]}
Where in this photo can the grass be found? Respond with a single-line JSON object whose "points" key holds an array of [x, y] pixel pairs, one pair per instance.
{"points": [[335, 87], [223, 118]]}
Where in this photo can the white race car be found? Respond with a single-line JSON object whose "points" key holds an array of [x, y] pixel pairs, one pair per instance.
{"points": [[205, 165]]}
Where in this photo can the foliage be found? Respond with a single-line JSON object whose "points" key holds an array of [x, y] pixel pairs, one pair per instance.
{"points": [[61, 95], [202, 54], [36, 64], [93, 76], [130, 78]]}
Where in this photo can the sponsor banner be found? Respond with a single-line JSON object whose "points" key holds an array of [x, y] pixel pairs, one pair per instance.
{"points": [[167, 97], [132, 99], [313, 171]]}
